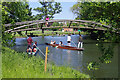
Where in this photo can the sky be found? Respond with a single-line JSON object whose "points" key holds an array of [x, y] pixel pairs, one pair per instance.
{"points": [[65, 14]]}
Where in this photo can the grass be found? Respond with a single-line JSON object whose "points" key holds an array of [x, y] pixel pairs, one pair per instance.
{"points": [[19, 65], [0, 66]]}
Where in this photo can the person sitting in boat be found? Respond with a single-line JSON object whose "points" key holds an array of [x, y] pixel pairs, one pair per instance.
{"points": [[51, 42], [34, 49], [29, 49], [60, 43], [54, 42], [35, 45]]}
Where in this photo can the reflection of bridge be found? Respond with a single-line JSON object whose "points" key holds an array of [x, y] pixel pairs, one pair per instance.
{"points": [[30, 25]]}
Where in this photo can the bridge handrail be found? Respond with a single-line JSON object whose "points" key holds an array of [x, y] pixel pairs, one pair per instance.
{"points": [[34, 22], [56, 20]]}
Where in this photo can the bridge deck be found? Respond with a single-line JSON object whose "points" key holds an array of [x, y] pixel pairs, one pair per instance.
{"points": [[22, 25], [87, 28]]}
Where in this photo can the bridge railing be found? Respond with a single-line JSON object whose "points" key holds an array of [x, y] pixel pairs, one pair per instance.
{"points": [[21, 25]]}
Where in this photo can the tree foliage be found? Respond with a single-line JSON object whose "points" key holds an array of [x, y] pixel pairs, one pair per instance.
{"points": [[48, 9], [13, 12], [107, 13]]}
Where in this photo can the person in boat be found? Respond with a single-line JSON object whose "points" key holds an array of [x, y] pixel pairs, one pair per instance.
{"points": [[69, 39], [54, 42], [60, 43], [29, 49], [34, 47], [51, 42], [29, 41], [35, 43], [80, 44], [47, 19]]}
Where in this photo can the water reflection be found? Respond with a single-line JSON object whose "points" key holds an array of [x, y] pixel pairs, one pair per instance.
{"points": [[69, 57], [80, 52], [107, 54]]}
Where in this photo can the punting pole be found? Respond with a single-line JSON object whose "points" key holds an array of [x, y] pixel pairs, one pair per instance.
{"points": [[74, 44], [46, 58]]}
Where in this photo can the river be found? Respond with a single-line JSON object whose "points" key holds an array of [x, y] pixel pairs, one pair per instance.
{"points": [[75, 59]]}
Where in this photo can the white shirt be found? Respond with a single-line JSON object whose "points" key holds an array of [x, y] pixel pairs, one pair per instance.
{"points": [[69, 38], [51, 43]]}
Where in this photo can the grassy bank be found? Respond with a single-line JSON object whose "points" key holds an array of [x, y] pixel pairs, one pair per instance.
{"points": [[46, 33], [18, 65]]}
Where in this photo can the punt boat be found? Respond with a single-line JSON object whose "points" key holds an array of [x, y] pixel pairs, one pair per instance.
{"points": [[65, 47]]}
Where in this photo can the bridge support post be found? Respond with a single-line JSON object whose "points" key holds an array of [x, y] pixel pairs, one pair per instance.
{"points": [[37, 25], [70, 24], [42, 30], [41, 25], [26, 33]]}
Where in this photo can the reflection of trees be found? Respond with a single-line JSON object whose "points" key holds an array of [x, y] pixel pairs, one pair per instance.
{"points": [[106, 56], [107, 53]]}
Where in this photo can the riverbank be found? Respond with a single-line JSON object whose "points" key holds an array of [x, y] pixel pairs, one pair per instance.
{"points": [[47, 33], [19, 65]]}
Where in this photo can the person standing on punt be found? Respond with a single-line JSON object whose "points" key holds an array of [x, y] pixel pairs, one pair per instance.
{"points": [[80, 44], [68, 39], [29, 41]]}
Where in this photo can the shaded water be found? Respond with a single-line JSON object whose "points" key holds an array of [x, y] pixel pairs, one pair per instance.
{"points": [[75, 59]]}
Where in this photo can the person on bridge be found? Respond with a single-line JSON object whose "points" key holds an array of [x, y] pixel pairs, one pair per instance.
{"points": [[29, 41], [80, 44], [47, 19]]}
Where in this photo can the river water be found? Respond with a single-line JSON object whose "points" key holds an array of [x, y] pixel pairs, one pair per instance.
{"points": [[75, 59]]}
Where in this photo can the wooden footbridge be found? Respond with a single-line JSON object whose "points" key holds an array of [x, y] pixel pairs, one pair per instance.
{"points": [[30, 25]]}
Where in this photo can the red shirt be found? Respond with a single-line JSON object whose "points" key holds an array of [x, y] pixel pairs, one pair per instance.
{"points": [[29, 40]]}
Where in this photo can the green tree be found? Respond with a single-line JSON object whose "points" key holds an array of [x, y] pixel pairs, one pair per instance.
{"points": [[48, 9], [107, 13], [55, 24], [13, 12]]}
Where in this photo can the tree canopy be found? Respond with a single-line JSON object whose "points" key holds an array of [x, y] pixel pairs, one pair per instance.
{"points": [[104, 12], [48, 9], [13, 12]]}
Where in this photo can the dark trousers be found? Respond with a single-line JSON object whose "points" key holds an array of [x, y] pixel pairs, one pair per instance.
{"points": [[68, 41]]}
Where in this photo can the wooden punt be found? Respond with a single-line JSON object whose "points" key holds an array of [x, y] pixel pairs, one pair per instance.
{"points": [[65, 47]]}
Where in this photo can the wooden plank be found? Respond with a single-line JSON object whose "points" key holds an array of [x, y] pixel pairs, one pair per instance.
{"points": [[23, 26], [58, 20], [25, 29], [25, 22], [51, 21]]}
